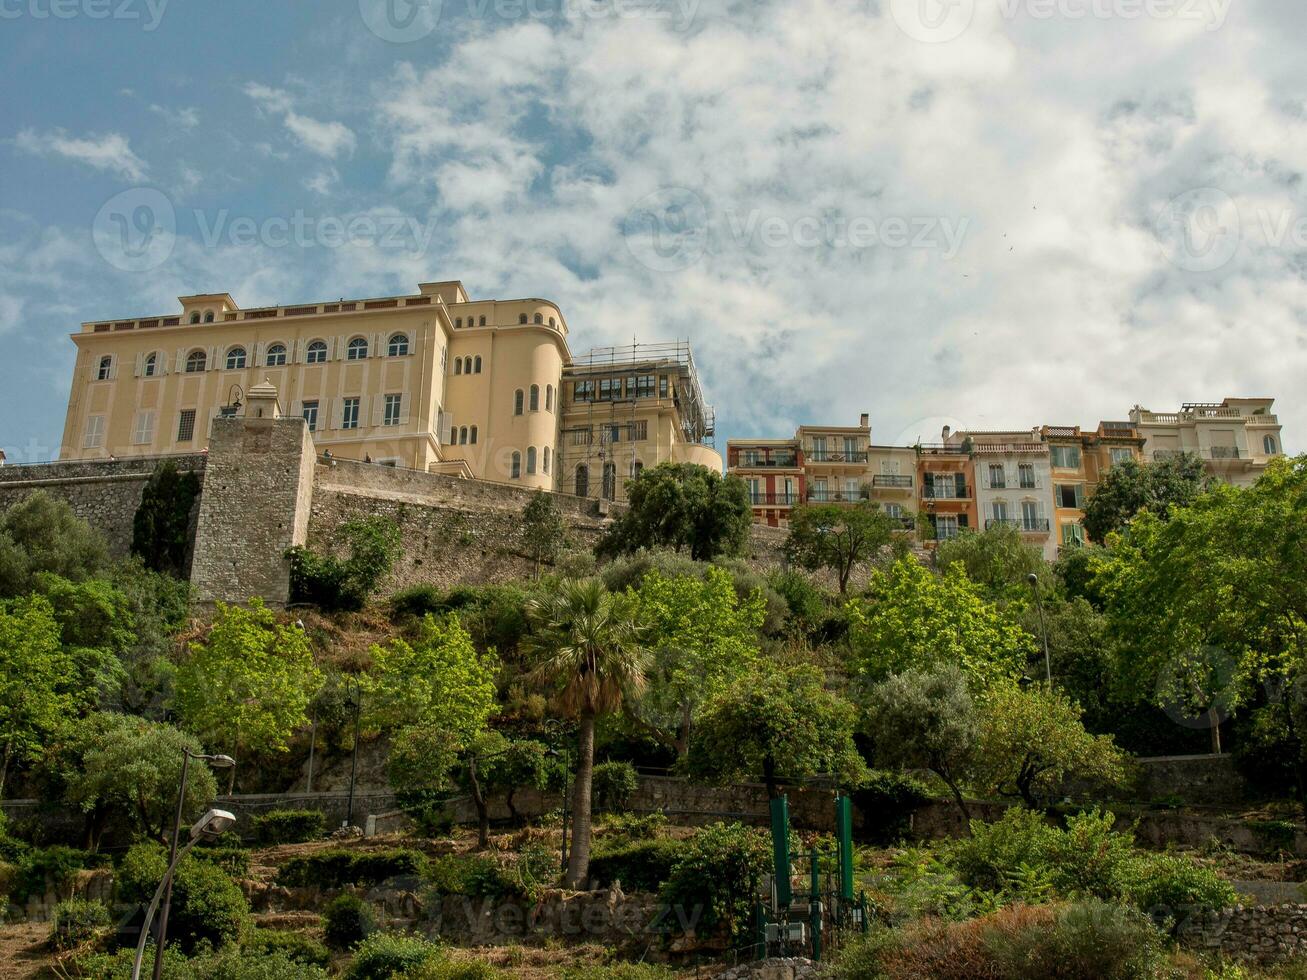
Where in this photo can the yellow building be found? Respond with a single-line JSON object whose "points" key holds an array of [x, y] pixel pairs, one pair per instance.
{"points": [[432, 381], [1235, 437], [625, 408]]}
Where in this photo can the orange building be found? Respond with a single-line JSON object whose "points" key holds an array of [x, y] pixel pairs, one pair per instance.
{"points": [[947, 482]]}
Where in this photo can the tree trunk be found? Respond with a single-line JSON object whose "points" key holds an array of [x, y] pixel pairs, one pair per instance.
{"points": [[1216, 730], [4, 771], [508, 802], [957, 796], [578, 861], [769, 777], [479, 799]]}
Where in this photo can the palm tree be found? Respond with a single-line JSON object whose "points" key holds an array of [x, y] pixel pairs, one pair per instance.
{"points": [[588, 648]]}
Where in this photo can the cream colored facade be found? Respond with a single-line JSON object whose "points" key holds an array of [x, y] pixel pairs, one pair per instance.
{"points": [[1235, 438], [1013, 481], [627, 408], [432, 381]]}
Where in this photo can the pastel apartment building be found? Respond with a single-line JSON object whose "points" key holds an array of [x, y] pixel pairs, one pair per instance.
{"points": [[1235, 438], [432, 381]]}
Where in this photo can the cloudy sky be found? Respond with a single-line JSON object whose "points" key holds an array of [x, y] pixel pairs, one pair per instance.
{"points": [[991, 213]]}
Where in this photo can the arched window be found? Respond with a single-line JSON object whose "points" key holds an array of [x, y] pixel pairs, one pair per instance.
{"points": [[462, 436], [544, 462], [476, 364], [530, 460], [276, 356], [535, 398], [398, 345], [473, 440], [104, 371], [195, 362], [195, 316], [1268, 444], [467, 365], [458, 322], [151, 366], [483, 322], [552, 323], [517, 402], [521, 318], [610, 481], [549, 398], [235, 358], [539, 318], [515, 470], [208, 316], [582, 480], [317, 352], [458, 365], [357, 349]]}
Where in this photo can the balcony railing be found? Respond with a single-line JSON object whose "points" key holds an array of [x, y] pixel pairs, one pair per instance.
{"points": [[891, 481], [1034, 484], [821, 495], [777, 462], [1032, 525], [1161, 454], [774, 499], [904, 522], [1224, 452], [836, 456], [949, 491]]}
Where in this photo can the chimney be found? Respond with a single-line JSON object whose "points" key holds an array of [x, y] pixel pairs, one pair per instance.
{"points": [[944, 433], [864, 420]]}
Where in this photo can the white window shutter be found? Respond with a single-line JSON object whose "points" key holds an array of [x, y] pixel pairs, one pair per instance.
{"points": [[211, 361], [338, 413], [403, 409], [338, 348], [378, 408], [140, 365], [298, 350], [447, 429], [181, 361], [258, 354]]}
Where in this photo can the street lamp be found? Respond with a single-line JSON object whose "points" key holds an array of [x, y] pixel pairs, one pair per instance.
{"points": [[354, 760], [212, 825], [1033, 579], [567, 788]]}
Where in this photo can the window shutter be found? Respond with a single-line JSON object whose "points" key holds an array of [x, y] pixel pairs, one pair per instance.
{"points": [[338, 348], [378, 409], [140, 365], [403, 409], [338, 413], [960, 483], [181, 361], [1080, 496], [210, 361], [962, 518], [374, 345], [446, 430], [258, 354]]}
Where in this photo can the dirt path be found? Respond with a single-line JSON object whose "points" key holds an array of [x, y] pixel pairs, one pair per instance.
{"points": [[23, 953]]}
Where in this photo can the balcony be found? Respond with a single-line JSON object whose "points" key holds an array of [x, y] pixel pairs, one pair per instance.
{"points": [[834, 456], [1161, 454], [891, 481], [904, 522], [1027, 484], [1026, 525], [824, 495], [774, 499], [1223, 452], [949, 491], [744, 461]]}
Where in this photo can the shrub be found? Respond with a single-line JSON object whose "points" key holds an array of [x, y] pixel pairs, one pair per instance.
{"points": [[640, 864], [207, 906], [295, 946], [161, 527], [636, 826], [230, 963], [289, 826], [614, 783], [347, 921], [384, 955], [339, 867], [473, 875], [40, 869], [994, 850], [235, 861], [717, 873], [346, 584], [1171, 887], [617, 971], [438, 969], [75, 921], [886, 801], [417, 601]]}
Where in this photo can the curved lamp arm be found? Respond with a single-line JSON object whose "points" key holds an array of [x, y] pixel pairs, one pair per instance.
{"points": [[154, 907]]}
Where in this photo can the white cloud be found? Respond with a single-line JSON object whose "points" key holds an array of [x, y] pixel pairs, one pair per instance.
{"points": [[181, 118], [109, 152], [328, 139]]}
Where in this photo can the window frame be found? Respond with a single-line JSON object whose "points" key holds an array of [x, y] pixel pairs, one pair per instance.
{"points": [[356, 349], [398, 345], [236, 358], [276, 355], [194, 358], [316, 352]]}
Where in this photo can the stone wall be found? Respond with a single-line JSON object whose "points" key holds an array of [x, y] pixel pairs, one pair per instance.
{"points": [[1262, 934], [104, 493], [1211, 780]]}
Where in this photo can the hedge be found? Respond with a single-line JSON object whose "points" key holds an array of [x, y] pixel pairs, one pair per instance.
{"points": [[338, 867], [289, 827]]}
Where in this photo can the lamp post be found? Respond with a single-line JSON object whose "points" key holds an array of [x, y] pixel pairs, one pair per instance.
{"points": [[234, 403], [567, 787], [354, 761], [1033, 579], [212, 824]]}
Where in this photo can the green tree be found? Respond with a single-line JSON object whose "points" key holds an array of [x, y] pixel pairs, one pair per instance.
{"points": [[249, 683], [334, 583], [913, 617], [682, 506], [926, 719], [701, 636], [112, 764], [780, 724], [838, 538], [1032, 740], [544, 532], [161, 529], [42, 534], [40, 692], [588, 648], [1131, 486], [997, 559]]}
